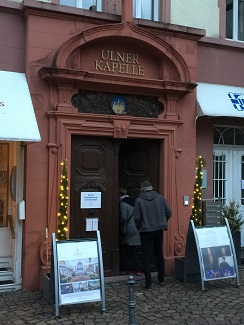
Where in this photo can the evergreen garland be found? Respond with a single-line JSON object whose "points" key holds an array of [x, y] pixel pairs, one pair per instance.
{"points": [[63, 205], [196, 215]]}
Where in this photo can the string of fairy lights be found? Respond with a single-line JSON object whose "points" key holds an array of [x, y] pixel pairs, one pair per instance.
{"points": [[196, 215], [63, 205], [62, 228]]}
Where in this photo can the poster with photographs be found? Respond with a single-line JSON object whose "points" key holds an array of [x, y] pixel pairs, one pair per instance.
{"points": [[216, 253], [78, 272]]}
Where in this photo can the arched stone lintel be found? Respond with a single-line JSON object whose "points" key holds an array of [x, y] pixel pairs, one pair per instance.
{"points": [[132, 32]]}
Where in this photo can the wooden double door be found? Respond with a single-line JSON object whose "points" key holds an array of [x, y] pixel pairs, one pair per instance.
{"points": [[100, 164]]}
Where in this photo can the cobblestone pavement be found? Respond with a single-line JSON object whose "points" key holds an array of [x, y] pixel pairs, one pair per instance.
{"points": [[174, 303]]}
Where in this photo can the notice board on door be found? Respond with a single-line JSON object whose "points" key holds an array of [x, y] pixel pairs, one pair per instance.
{"points": [[78, 272]]}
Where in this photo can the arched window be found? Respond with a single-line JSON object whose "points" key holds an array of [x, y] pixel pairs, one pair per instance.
{"points": [[229, 135]]}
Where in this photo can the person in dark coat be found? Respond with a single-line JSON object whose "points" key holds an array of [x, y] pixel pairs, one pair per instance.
{"points": [[151, 214], [130, 239]]}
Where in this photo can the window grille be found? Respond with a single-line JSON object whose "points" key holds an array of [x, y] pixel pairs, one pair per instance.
{"points": [[219, 178]]}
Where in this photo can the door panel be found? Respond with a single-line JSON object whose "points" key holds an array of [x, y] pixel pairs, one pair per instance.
{"points": [[104, 165], [7, 185], [92, 167], [229, 173], [138, 160]]}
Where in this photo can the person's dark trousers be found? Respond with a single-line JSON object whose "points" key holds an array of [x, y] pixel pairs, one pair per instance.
{"points": [[148, 239], [133, 251], [135, 257]]}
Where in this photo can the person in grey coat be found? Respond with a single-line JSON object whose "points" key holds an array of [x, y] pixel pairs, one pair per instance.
{"points": [[130, 238], [151, 214]]}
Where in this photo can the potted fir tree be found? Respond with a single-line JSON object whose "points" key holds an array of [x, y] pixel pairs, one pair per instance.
{"points": [[48, 278], [231, 211]]}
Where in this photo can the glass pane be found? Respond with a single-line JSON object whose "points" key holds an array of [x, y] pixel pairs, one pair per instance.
{"points": [[242, 178], [156, 10], [228, 136], [239, 137], [3, 183], [142, 9], [71, 3], [84, 4], [146, 9], [242, 167], [229, 19], [219, 180], [217, 136], [241, 20]]}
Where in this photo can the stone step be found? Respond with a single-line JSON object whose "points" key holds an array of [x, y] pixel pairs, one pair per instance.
{"points": [[4, 264], [6, 272]]}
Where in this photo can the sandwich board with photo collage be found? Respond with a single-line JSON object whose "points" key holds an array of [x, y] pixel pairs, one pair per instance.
{"points": [[216, 253], [78, 272]]}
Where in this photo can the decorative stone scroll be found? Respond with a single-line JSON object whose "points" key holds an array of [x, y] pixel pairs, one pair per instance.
{"points": [[45, 255], [121, 128]]}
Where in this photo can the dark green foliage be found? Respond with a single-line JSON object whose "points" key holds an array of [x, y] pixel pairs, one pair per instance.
{"points": [[63, 205], [231, 212], [196, 215]]}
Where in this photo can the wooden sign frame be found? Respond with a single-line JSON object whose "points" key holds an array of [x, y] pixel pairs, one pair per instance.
{"points": [[78, 272]]}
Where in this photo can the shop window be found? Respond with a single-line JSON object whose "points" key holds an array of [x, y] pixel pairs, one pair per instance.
{"points": [[84, 4], [146, 9], [4, 183], [235, 20]]}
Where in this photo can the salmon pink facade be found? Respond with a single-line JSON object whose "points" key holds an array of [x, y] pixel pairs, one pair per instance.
{"points": [[115, 97]]}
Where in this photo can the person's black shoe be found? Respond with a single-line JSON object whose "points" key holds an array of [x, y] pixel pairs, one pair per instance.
{"points": [[148, 287]]}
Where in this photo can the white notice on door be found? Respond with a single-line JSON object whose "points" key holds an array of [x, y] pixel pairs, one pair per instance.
{"points": [[91, 224], [90, 200]]}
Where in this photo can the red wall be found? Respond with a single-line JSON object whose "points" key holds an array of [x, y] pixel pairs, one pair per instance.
{"points": [[46, 31]]}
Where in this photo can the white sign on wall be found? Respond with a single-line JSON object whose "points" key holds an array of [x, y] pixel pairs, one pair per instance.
{"points": [[89, 200]]}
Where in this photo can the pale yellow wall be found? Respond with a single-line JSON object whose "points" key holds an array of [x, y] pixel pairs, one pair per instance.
{"points": [[203, 14], [36, 0]]}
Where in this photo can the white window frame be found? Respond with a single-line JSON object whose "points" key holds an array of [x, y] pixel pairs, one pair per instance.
{"points": [[96, 3], [235, 19], [236, 22]]}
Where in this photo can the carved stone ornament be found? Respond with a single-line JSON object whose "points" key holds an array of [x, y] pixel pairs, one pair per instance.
{"points": [[90, 186], [100, 103], [121, 128], [179, 246], [45, 255]]}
